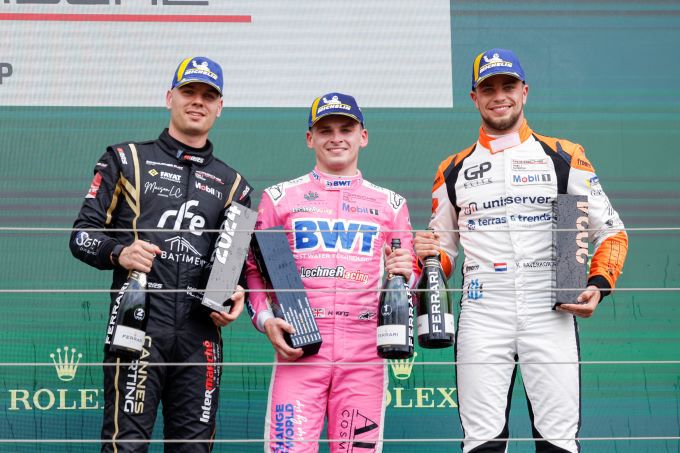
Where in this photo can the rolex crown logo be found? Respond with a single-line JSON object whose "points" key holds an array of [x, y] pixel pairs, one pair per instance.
{"points": [[67, 364], [402, 368]]}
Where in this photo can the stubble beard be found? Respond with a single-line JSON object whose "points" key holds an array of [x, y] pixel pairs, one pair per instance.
{"points": [[503, 124]]}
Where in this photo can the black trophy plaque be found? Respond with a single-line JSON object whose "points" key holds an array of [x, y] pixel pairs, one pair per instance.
{"points": [[277, 264], [231, 249], [570, 239]]}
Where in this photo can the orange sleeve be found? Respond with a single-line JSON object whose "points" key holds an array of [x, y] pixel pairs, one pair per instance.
{"points": [[609, 258]]}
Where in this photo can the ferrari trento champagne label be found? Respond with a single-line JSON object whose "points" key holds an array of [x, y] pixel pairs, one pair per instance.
{"points": [[436, 327], [129, 316]]}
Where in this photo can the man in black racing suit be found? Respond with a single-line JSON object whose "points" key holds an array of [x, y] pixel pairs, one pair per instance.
{"points": [[175, 187]]}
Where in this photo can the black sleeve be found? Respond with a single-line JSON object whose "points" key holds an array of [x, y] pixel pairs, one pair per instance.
{"points": [[243, 192], [242, 196], [95, 247]]}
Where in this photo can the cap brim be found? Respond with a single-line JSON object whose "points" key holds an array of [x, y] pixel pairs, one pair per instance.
{"points": [[483, 78], [188, 81], [324, 115]]}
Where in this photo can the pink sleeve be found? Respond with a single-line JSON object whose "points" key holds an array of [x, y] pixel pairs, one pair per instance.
{"points": [[402, 225], [257, 304]]}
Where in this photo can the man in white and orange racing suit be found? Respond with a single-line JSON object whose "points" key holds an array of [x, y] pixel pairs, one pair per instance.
{"points": [[340, 226], [498, 196]]}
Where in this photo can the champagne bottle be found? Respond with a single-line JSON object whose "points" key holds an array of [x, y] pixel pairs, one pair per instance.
{"points": [[435, 311], [395, 319], [131, 311]]}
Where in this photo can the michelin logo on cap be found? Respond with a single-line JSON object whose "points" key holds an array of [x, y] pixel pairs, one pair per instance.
{"points": [[494, 62], [200, 70], [334, 104]]}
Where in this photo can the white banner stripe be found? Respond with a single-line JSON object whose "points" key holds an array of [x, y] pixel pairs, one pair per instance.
{"points": [[387, 53]]}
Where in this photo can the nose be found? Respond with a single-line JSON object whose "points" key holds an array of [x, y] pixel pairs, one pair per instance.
{"points": [[196, 99], [498, 95]]}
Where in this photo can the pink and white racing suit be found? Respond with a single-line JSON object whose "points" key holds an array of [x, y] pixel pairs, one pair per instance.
{"points": [[340, 226]]}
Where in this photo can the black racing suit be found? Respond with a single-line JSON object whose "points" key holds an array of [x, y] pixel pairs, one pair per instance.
{"points": [[161, 184]]}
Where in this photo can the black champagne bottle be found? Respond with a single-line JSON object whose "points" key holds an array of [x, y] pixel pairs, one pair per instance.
{"points": [[435, 311], [131, 310], [395, 317]]}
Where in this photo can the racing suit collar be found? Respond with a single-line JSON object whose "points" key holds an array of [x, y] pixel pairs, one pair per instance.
{"points": [[185, 153], [335, 182], [498, 144]]}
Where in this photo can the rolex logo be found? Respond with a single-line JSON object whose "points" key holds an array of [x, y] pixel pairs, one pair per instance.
{"points": [[67, 364], [402, 368], [50, 399]]}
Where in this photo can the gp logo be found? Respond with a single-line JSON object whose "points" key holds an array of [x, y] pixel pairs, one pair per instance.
{"points": [[477, 171], [342, 235]]}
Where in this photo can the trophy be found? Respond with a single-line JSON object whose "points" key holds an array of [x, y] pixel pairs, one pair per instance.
{"points": [[277, 264], [570, 247], [231, 249]]}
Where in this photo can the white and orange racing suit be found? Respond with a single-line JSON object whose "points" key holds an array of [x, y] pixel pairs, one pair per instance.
{"points": [[496, 200]]}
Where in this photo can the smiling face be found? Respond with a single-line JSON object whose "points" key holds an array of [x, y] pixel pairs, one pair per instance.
{"points": [[194, 107], [336, 140], [500, 100]]}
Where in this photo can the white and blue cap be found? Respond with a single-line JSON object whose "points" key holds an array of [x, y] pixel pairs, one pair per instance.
{"points": [[334, 104], [494, 62], [198, 69]]}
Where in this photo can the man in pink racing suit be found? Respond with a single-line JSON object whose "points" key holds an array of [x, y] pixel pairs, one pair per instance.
{"points": [[341, 225]]}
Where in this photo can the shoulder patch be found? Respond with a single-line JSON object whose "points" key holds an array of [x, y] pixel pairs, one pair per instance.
{"points": [[246, 190], [121, 151], [458, 157], [572, 152], [278, 191], [581, 162], [447, 164], [439, 176], [395, 200]]}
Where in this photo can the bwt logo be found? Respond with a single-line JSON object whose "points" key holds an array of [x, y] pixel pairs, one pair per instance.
{"points": [[6, 71], [312, 234]]}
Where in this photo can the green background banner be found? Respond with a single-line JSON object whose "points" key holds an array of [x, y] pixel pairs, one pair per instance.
{"points": [[603, 74]]}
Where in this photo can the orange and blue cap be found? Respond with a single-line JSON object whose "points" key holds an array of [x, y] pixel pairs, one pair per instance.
{"points": [[494, 62], [200, 70], [334, 104]]}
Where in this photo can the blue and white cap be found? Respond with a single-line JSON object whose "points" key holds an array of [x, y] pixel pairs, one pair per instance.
{"points": [[494, 62], [335, 104], [198, 69]]}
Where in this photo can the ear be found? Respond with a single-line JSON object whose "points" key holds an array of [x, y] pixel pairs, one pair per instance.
{"points": [[525, 94], [168, 99], [364, 138], [473, 96], [309, 140], [219, 107]]}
